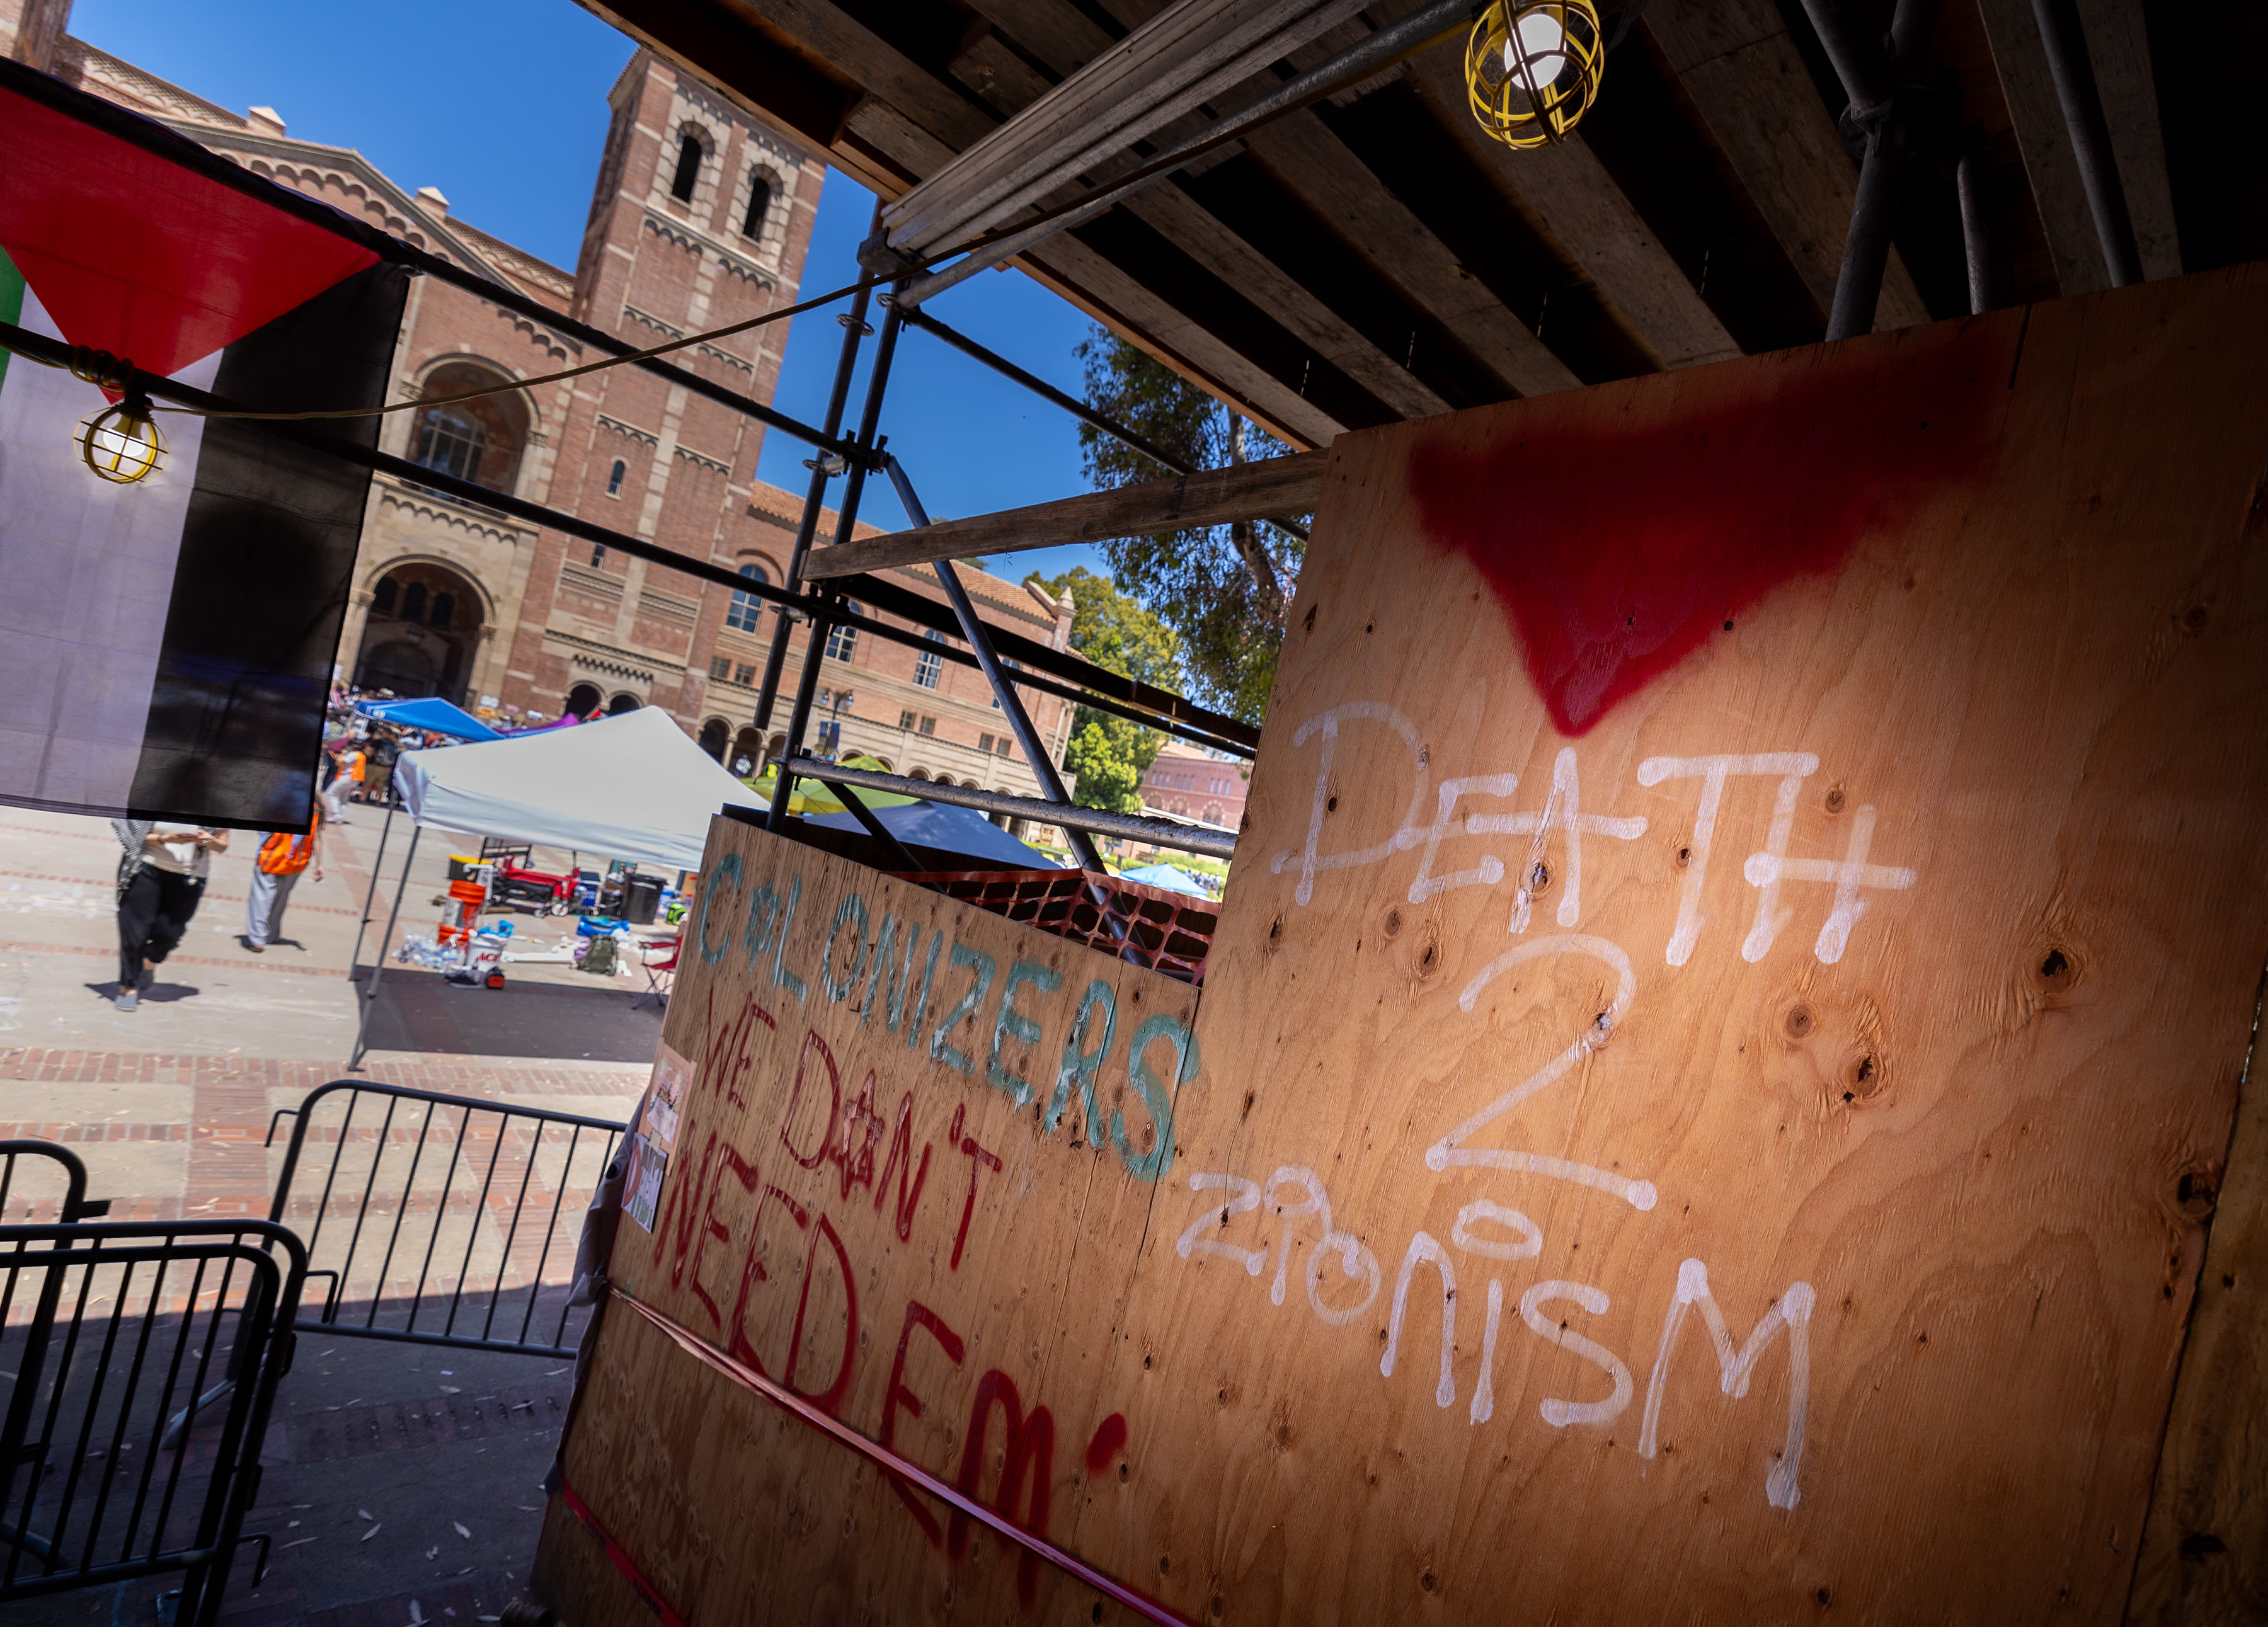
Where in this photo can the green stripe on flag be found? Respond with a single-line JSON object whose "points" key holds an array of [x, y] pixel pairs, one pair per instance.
{"points": [[11, 302]]}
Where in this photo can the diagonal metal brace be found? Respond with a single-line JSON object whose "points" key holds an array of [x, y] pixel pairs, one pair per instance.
{"points": [[1012, 705]]}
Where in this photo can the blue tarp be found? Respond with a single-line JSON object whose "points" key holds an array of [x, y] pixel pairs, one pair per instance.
{"points": [[954, 830], [429, 713], [1168, 876]]}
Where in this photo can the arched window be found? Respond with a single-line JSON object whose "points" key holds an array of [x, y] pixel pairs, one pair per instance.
{"points": [[622, 703], [389, 593], [413, 602], [741, 613], [689, 167], [479, 440], [759, 205], [451, 440], [614, 480], [582, 700], [445, 607]]}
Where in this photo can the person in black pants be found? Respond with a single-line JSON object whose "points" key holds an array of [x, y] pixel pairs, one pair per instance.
{"points": [[161, 878]]}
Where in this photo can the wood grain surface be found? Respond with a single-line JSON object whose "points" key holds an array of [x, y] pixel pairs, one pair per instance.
{"points": [[1733, 989]]}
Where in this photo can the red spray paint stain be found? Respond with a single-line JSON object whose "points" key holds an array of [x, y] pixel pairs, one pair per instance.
{"points": [[1110, 1439], [1617, 554]]}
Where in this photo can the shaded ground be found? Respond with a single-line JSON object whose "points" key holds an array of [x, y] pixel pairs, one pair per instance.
{"points": [[169, 1106], [595, 1019], [419, 1440]]}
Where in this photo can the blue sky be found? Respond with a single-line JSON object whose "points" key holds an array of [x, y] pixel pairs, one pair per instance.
{"points": [[501, 105]]}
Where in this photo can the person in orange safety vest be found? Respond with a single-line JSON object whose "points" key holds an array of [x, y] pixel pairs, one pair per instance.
{"points": [[283, 857]]}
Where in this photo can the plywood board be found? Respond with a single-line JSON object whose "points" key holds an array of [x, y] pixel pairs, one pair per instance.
{"points": [[1737, 975], [909, 1180]]}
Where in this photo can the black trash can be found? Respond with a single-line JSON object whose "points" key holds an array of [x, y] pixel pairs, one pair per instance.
{"points": [[641, 899]]}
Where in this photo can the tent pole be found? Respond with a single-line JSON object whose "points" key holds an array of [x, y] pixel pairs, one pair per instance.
{"points": [[377, 967], [371, 897]]}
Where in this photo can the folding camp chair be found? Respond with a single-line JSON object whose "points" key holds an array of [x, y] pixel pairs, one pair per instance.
{"points": [[656, 990]]}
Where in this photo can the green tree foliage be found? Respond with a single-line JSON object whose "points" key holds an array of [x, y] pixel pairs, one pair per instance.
{"points": [[1108, 755], [1225, 589]]}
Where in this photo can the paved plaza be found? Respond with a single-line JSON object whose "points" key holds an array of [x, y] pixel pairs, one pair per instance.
{"points": [[170, 1104]]}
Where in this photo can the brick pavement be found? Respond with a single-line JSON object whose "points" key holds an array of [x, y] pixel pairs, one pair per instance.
{"points": [[170, 1107]]}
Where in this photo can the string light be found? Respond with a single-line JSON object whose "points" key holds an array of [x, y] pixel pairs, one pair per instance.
{"points": [[1532, 69], [121, 444]]}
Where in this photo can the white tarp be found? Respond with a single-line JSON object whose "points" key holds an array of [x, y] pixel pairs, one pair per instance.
{"points": [[632, 786]]}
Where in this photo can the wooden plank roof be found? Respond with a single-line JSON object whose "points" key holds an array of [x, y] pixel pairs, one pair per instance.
{"points": [[1374, 257]]}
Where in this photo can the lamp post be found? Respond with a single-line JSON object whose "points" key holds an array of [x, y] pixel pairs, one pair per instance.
{"points": [[834, 731]]}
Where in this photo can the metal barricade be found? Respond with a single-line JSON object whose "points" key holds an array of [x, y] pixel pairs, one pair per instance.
{"points": [[26, 1199], [108, 1330], [439, 1218]]}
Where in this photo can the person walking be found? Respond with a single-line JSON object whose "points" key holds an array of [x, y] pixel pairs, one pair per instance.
{"points": [[328, 784], [378, 776], [354, 763], [161, 877], [284, 857]]}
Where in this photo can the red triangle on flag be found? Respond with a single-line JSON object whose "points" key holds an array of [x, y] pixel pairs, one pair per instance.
{"points": [[135, 255]]}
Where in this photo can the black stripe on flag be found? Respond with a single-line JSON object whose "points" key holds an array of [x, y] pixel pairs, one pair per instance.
{"points": [[266, 564]]}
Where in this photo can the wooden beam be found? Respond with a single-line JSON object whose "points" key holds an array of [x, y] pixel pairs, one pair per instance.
{"points": [[1737, 61], [1272, 488], [1062, 36], [823, 33], [804, 102], [1269, 278], [1579, 203], [1115, 300], [1315, 165], [1429, 155], [2118, 48]]}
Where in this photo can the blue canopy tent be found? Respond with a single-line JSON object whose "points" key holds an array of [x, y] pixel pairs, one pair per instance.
{"points": [[1172, 879], [952, 829], [431, 713]]}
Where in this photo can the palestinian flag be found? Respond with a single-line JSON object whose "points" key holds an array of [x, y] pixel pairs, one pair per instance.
{"points": [[166, 646]]}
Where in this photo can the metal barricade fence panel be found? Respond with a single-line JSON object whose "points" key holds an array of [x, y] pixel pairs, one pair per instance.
{"points": [[440, 1219], [109, 1332], [41, 1183]]}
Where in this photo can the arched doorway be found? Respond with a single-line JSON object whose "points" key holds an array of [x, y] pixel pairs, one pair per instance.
{"points": [[583, 700], [419, 639], [748, 748], [623, 703], [714, 734]]}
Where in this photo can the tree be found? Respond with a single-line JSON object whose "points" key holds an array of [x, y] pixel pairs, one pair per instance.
{"points": [[1109, 754], [1225, 589]]}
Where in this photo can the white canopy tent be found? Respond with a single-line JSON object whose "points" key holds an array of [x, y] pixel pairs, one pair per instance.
{"points": [[632, 786]]}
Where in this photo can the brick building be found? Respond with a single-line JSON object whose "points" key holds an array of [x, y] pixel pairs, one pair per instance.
{"points": [[1191, 785], [700, 217]]}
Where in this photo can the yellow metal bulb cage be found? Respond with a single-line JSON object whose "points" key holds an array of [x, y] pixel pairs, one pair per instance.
{"points": [[121, 445], [1532, 69]]}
